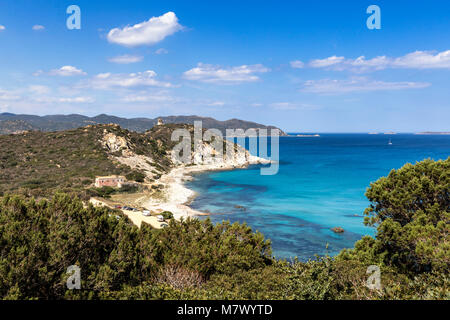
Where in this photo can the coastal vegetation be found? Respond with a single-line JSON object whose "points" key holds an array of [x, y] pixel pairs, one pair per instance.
{"points": [[193, 259], [40, 163]]}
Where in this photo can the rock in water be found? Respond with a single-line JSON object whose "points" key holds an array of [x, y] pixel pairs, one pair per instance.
{"points": [[337, 230]]}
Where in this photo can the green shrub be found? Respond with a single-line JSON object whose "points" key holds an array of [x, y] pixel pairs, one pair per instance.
{"points": [[135, 176], [411, 209], [167, 215]]}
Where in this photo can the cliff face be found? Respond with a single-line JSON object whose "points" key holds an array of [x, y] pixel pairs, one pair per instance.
{"points": [[228, 155], [114, 143], [219, 154]]}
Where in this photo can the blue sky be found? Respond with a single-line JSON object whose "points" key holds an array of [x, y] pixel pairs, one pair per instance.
{"points": [[310, 66]]}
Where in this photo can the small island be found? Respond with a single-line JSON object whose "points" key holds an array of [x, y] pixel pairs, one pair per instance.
{"points": [[433, 133]]}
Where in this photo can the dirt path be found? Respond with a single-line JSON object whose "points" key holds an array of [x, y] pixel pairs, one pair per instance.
{"points": [[135, 216]]}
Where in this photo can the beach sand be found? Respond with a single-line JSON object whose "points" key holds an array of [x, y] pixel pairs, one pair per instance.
{"points": [[178, 196], [172, 195]]}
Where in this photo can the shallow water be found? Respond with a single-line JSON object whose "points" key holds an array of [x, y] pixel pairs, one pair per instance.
{"points": [[320, 185]]}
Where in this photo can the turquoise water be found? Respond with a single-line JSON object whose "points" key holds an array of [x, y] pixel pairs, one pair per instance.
{"points": [[320, 185]]}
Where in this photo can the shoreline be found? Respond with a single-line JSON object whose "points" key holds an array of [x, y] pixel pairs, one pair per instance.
{"points": [[173, 195], [178, 196]]}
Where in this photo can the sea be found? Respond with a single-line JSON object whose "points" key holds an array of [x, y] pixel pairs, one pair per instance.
{"points": [[320, 185]]}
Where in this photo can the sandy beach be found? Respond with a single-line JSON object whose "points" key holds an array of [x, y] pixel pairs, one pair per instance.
{"points": [[178, 196], [173, 195]]}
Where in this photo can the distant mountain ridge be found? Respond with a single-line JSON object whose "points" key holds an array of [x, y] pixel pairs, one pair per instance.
{"points": [[16, 123]]}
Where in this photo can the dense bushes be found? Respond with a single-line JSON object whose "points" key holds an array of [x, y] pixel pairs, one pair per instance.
{"points": [[222, 249], [167, 215], [411, 208], [194, 259], [135, 176], [39, 240], [104, 192], [107, 192]]}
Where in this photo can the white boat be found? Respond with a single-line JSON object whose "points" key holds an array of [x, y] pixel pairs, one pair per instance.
{"points": [[390, 142]]}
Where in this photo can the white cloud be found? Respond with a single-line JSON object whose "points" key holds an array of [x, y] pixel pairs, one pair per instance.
{"points": [[329, 86], [77, 100], [291, 106], [414, 60], [65, 71], [126, 59], [64, 99], [39, 89], [360, 64], [2, 27], [146, 33], [283, 105], [40, 94], [145, 97], [38, 73], [232, 75], [38, 27], [8, 95], [216, 104], [297, 64], [323, 63], [161, 51], [4, 108], [132, 80], [424, 60]]}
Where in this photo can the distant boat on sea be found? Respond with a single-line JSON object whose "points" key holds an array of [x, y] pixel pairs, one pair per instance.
{"points": [[390, 142], [308, 135]]}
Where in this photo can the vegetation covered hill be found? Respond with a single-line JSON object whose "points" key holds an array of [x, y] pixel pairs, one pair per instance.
{"points": [[15, 126], [198, 260], [10, 122], [38, 163]]}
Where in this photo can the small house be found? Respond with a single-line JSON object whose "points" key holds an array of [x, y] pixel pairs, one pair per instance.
{"points": [[110, 181]]}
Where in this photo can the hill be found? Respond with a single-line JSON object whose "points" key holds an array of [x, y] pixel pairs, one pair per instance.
{"points": [[15, 126], [37, 163], [12, 123]]}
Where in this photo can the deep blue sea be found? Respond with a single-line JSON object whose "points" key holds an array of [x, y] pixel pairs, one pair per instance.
{"points": [[320, 185]]}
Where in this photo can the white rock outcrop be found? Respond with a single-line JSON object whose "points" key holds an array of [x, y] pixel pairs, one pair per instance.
{"points": [[114, 143]]}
